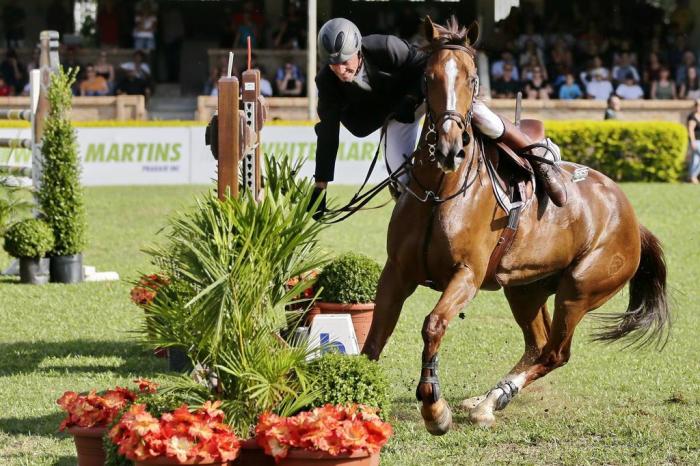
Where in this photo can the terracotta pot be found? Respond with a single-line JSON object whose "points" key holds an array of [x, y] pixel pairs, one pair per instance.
{"points": [[252, 454], [163, 461], [160, 352], [88, 443], [361, 315], [298, 457]]}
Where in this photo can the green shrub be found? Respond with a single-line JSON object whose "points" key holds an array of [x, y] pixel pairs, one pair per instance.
{"points": [[29, 238], [350, 379], [349, 278], [61, 196], [624, 151]]}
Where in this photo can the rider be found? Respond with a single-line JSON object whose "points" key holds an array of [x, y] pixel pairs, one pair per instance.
{"points": [[369, 78]]}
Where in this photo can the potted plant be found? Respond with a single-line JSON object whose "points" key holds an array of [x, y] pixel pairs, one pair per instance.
{"points": [[182, 436], [60, 194], [348, 286], [332, 434], [29, 241], [88, 415]]}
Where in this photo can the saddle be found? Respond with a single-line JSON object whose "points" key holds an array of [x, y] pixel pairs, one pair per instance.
{"points": [[513, 182]]}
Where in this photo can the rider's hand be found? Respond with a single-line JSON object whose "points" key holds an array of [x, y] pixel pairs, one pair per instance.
{"points": [[405, 112], [320, 206]]}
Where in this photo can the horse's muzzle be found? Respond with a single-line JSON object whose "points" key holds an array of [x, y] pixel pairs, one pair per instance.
{"points": [[450, 158]]}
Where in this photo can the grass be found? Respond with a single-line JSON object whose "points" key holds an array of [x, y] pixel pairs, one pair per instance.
{"points": [[607, 406]]}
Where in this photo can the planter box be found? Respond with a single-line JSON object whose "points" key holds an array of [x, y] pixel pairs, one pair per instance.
{"points": [[313, 458], [67, 269], [252, 454], [88, 444], [34, 271]]}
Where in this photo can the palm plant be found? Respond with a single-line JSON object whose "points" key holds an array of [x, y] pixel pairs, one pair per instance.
{"points": [[228, 262]]}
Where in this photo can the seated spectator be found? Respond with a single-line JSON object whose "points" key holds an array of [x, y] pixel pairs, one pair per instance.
{"points": [[5, 89], [629, 89], [530, 36], [537, 87], [133, 84], [506, 87], [141, 68], [498, 66], [620, 72], [570, 90], [105, 69], [599, 88], [13, 72], [93, 84], [560, 57], [531, 57], [595, 66], [265, 85], [292, 33], [690, 86], [289, 80], [663, 88], [688, 61], [613, 110], [652, 68]]}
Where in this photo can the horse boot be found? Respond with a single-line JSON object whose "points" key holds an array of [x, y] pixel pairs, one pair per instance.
{"points": [[545, 171]]}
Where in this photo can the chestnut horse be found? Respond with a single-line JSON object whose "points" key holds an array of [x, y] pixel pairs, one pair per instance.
{"points": [[447, 222]]}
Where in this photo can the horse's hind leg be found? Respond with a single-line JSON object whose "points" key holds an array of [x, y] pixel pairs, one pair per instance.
{"points": [[529, 306]]}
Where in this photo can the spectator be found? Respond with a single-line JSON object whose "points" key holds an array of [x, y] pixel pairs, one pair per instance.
{"points": [[530, 36], [13, 19], [651, 68], [105, 69], [133, 84], [629, 89], [693, 126], [663, 88], [690, 87], [292, 33], [688, 61], [570, 90], [537, 87], [137, 65], [250, 15], [265, 85], [13, 72], [145, 23], [599, 88], [595, 66], [498, 66], [530, 58], [675, 55], [613, 110], [93, 84], [289, 80], [506, 87], [560, 57], [624, 68], [247, 28], [108, 23], [5, 89]]}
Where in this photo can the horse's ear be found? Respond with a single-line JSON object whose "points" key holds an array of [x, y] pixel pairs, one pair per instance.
{"points": [[430, 32], [473, 33]]}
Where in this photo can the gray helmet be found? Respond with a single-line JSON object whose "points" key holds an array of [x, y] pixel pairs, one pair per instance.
{"points": [[338, 40]]}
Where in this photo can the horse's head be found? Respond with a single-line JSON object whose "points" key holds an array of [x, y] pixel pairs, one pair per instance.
{"points": [[451, 85]]}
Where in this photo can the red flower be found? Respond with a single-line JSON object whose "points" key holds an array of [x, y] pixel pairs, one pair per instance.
{"points": [[93, 410], [188, 437], [333, 429], [145, 385], [147, 288]]}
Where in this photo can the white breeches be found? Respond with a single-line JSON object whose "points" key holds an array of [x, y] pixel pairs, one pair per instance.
{"points": [[401, 140]]}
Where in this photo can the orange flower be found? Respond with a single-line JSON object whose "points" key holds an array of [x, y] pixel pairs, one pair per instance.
{"points": [[146, 385], [179, 447]]}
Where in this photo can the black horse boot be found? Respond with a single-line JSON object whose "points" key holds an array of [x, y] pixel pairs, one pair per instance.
{"points": [[544, 170]]}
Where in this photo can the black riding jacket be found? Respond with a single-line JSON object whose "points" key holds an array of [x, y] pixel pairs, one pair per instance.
{"points": [[395, 72]]}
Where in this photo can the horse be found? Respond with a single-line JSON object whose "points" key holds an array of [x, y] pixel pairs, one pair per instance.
{"points": [[447, 222]]}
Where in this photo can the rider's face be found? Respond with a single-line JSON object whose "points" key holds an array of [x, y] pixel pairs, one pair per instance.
{"points": [[346, 70]]}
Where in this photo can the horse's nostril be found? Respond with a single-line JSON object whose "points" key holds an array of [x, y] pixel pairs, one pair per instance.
{"points": [[460, 154]]}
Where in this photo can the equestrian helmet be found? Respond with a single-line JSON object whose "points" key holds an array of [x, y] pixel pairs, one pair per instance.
{"points": [[338, 40]]}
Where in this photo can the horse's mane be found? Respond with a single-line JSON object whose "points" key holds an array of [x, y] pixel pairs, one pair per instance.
{"points": [[450, 34]]}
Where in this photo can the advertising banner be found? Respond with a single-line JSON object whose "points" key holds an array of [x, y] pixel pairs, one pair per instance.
{"points": [[152, 155]]}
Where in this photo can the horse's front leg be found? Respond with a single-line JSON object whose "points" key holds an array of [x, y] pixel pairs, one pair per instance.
{"points": [[392, 291], [435, 410]]}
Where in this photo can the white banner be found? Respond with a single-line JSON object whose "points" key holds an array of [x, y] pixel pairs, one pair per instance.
{"points": [[153, 155]]}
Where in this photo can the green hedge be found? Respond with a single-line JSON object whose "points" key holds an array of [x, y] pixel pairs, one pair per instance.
{"points": [[624, 151]]}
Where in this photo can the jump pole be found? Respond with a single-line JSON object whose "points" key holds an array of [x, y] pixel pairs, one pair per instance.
{"points": [[228, 133], [251, 101]]}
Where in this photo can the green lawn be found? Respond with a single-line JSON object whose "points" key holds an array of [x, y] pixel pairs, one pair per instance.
{"points": [[607, 406]]}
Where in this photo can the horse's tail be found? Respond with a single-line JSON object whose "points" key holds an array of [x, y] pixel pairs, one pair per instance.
{"points": [[647, 319]]}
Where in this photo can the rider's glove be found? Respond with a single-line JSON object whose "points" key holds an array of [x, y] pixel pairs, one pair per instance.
{"points": [[321, 206], [405, 112]]}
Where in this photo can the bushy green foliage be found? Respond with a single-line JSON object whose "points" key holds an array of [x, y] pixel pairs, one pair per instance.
{"points": [[624, 151], [61, 196], [14, 205], [350, 379], [349, 278], [29, 238], [228, 262]]}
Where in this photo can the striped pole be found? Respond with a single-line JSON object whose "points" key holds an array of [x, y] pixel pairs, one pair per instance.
{"points": [[11, 170], [15, 114], [16, 143]]}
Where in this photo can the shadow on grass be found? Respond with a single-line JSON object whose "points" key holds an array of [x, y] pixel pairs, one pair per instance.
{"points": [[65, 461], [26, 357], [46, 425]]}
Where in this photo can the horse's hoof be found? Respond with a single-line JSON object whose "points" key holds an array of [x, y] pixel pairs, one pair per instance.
{"points": [[437, 417], [471, 403], [482, 418]]}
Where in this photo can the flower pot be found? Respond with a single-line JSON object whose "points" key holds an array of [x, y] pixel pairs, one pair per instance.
{"points": [[67, 269], [298, 457], [178, 360], [160, 352], [252, 454], [88, 443], [361, 315], [34, 271], [164, 461]]}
